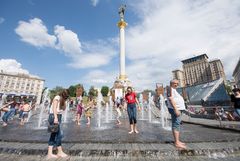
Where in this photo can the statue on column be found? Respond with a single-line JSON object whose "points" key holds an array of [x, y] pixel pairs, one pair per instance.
{"points": [[121, 12]]}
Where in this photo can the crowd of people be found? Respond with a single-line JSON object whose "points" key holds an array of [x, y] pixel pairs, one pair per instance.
{"points": [[130, 103], [11, 108], [58, 105]]}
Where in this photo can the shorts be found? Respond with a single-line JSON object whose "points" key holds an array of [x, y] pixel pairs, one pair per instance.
{"points": [[25, 115], [176, 120]]}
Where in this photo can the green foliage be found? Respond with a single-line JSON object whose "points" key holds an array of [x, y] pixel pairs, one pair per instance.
{"points": [[55, 91], [228, 88], [92, 91], [73, 88], [105, 90], [72, 91]]}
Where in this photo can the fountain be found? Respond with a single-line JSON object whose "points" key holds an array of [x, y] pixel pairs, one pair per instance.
{"points": [[164, 114], [43, 106], [149, 108], [30, 112], [107, 113], [111, 107], [3, 100], [141, 105], [65, 116], [99, 104]]}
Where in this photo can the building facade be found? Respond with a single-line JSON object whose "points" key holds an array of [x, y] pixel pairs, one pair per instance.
{"points": [[236, 74], [198, 70], [179, 75], [21, 85], [217, 69]]}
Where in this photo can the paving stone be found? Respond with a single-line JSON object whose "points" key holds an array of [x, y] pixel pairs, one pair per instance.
{"points": [[106, 146]]}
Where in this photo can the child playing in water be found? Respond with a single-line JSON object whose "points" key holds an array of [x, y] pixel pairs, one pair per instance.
{"points": [[79, 111], [88, 110], [26, 108], [118, 109]]}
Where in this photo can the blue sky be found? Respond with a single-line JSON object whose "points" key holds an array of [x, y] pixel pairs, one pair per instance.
{"points": [[67, 42]]}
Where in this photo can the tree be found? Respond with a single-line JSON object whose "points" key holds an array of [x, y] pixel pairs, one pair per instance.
{"points": [[92, 91], [149, 90], [55, 91], [72, 91], [105, 90], [228, 88]]}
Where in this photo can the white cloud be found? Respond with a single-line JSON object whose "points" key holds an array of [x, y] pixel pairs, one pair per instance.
{"points": [[90, 55], [99, 77], [2, 20], [94, 2], [35, 33], [170, 31], [67, 41], [95, 54], [12, 66], [90, 60]]}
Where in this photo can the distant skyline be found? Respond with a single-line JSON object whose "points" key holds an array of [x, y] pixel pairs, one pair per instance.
{"points": [[71, 42]]}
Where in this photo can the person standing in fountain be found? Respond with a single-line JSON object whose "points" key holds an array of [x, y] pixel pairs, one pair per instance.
{"points": [[88, 110], [79, 111], [118, 109], [8, 111], [131, 100], [175, 106], [26, 109], [55, 117]]}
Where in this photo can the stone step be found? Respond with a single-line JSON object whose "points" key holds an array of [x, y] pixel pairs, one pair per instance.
{"points": [[125, 150]]}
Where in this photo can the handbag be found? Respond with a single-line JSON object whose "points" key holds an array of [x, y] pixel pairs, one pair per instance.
{"points": [[53, 128]]}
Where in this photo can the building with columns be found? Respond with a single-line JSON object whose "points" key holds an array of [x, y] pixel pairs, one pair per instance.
{"points": [[21, 85]]}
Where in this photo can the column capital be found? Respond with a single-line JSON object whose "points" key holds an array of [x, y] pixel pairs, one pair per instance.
{"points": [[122, 24]]}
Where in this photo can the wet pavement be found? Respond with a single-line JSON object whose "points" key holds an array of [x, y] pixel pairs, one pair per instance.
{"points": [[112, 133], [112, 142], [14, 157]]}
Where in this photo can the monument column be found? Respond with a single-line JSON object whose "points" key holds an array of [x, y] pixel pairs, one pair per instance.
{"points": [[122, 24], [122, 81]]}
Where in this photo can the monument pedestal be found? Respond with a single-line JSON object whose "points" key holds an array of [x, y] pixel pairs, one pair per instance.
{"points": [[120, 87]]}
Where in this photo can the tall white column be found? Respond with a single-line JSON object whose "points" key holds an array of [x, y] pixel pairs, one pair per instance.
{"points": [[122, 52], [122, 73]]}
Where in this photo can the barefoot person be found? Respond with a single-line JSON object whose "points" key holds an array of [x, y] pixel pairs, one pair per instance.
{"points": [[88, 110], [80, 108], [26, 109], [118, 109], [8, 111], [55, 117], [175, 105], [131, 100]]}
